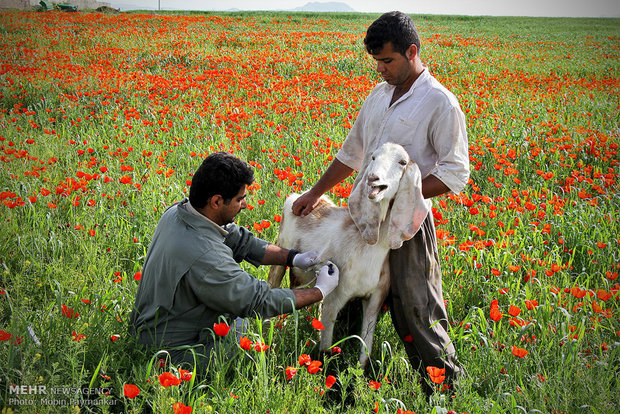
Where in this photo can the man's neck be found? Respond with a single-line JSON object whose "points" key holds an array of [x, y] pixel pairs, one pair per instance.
{"points": [[204, 212], [402, 89]]}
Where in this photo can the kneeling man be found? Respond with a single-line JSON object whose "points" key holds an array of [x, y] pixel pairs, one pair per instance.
{"points": [[191, 275]]}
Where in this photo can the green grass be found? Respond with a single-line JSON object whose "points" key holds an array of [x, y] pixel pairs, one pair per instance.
{"points": [[89, 96]]}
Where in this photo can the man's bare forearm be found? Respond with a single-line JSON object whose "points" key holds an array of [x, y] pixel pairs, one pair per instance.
{"points": [[305, 297], [275, 255], [433, 186], [335, 173]]}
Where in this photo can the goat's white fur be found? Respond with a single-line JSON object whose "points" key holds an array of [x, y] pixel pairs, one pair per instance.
{"points": [[385, 208]]}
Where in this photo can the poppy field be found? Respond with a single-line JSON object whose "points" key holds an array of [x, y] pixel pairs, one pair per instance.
{"points": [[104, 118]]}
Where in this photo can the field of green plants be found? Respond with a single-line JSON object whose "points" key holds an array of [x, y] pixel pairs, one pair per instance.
{"points": [[104, 118]]}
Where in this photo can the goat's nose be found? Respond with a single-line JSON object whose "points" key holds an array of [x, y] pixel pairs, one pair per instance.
{"points": [[372, 178]]}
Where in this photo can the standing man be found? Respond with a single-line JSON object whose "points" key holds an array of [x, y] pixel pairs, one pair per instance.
{"points": [[191, 275], [413, 109]]}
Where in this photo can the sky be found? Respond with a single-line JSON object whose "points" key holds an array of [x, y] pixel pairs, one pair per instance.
{"points": [[539, 8]]}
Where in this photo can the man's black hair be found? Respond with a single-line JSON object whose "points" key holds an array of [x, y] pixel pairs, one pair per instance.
{"points": [[220, 173], [395, 27]]}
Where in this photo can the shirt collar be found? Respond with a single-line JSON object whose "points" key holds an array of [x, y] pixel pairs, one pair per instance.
{"points": [[421, 79], [188, 206]]}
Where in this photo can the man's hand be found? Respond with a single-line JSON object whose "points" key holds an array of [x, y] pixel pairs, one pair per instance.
{"points": [[327, 279], [306, 260], [305, 204], [336, 172]]}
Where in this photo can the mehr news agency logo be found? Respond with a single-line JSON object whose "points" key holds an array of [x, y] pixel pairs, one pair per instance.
{"points": [[23, 395]]}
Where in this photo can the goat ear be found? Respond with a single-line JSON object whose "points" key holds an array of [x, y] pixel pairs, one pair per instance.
{"points": [[409, 209], [364, 213]]}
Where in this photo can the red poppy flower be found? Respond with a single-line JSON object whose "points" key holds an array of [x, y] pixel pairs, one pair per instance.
{"points": [[168, 378], [578, 292], [4, 336], [408, 338], [245, 343], [316, 324], [336, 350], [290, 372], [130, 390], [114, 337], [374, 384], [435, 371], [514, 310], [495, 314], [78, 337], [314, 367], [260, 347], [221, 329], [519, 352], [68, 312], [180, 408], [330, 381], [185, 375], [304, 359], [436, 374]]}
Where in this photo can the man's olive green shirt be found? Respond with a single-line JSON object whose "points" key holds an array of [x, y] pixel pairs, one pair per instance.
{"points": [[191, 277]]}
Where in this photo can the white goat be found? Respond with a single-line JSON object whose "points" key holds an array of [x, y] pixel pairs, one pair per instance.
{"points": [[385, 208]]}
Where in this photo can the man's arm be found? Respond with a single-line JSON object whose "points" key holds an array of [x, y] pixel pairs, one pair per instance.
{"points": [[275, 255], [335, 173], [326, 281], [433, 186], [305, 297]]}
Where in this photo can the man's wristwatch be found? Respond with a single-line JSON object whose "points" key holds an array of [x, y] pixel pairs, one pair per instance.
{"points": [[291, 255]]}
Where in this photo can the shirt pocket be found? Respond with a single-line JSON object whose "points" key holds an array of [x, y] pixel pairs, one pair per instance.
{"points": [[403, 131]]}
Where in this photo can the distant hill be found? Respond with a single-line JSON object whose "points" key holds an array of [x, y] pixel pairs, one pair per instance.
{"points": [[128, 6], [314, 6], [331, 6]]}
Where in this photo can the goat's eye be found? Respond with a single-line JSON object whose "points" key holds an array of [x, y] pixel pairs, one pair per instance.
{"points": [[402, 162]]}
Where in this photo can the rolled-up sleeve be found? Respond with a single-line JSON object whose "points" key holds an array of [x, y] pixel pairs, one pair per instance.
{"points": [[351, 153], [353, 148], [449, 138]]}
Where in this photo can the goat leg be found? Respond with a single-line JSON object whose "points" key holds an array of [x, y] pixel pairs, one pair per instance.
{"points": [[276, 274], [371, 307], [330, 308]]}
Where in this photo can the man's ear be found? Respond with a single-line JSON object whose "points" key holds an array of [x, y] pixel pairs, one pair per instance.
{"points": [[412, 51], [216, 201]]}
